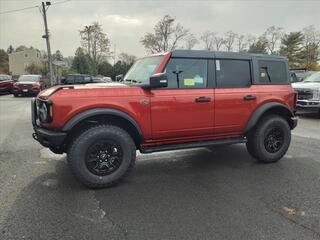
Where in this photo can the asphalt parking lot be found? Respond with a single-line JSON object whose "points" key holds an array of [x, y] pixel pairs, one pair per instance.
{"points": [[207, 193]]}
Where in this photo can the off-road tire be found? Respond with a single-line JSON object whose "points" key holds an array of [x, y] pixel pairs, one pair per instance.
{"points": [[256, 139], [77, 152]]}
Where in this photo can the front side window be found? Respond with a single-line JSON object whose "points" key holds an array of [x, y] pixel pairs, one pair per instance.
{"points": [[142, 70], [233, 73], [187, 73], [272, 72]]}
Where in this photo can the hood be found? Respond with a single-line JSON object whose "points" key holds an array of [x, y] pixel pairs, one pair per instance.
{"points": [[306, 85], [49, 91]]}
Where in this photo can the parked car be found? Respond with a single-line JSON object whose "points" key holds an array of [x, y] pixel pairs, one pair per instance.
{"points": [[176, 100], [6, 83], [76, 79], [107, 79], [28, 85], [309, 93]]}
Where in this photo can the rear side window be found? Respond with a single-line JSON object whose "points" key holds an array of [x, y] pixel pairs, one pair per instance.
{"points": [[233, 73], [187, 73], [272, 72]]}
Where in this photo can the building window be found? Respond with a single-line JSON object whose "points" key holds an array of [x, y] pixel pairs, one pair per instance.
{"points": [[26, 55]]}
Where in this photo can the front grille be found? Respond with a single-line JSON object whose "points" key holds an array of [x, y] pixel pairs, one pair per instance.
{"points": [[304, 94]]}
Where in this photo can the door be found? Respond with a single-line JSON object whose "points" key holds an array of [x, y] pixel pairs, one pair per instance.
{"points": [[234, 100], [185, 108]]}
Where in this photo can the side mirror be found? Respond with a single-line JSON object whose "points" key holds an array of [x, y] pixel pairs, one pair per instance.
{"points": [[119, 78], [159, 80]]}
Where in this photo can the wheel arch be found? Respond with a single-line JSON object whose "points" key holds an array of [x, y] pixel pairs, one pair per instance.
{"points": [[270, 108], [104, 116]]}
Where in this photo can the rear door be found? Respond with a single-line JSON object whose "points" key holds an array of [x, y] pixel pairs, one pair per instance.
{"points": [[234, 100], [185, 108]]}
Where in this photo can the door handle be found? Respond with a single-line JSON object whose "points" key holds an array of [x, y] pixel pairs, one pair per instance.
{"points": [[249, 98], [202, 99]]}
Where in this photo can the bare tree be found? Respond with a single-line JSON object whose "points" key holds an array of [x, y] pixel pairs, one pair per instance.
{"points": [[191, 41], [95, 41], [240, 41], [229, 38], [208, 39], [127, 58], [273, 37], [311, 44], [250, 40], [218, 41], [166, 36]]}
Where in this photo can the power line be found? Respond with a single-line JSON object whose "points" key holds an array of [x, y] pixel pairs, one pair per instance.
{"points": [[18, 10], [37, 6]]}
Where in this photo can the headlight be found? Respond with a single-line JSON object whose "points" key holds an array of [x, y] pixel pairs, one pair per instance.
{"points": [[44, 111], [316, 94]]}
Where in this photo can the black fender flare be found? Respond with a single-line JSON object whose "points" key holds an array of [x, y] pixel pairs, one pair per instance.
{"points": [[254, 118], [100, 111]]}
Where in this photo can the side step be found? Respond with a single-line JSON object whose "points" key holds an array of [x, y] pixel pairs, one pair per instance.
{"points": [[199, 144]]}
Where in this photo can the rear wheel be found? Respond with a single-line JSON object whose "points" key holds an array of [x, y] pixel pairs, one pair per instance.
{"points": [[270, 139], [101, 156]]}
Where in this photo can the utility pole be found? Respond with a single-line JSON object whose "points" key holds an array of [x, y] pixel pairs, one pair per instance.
{"points": [[46, 36], [114, 55]]}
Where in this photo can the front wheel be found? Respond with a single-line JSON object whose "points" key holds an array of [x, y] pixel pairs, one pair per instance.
{"points": [[102, 156], [270, 139]]}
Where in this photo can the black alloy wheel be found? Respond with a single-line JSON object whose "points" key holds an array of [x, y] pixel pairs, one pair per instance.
{"points": [[274, 139], [103, 157]]}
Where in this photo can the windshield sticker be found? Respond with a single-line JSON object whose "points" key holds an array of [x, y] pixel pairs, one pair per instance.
{"points": [[218, 65], [188, 82]]}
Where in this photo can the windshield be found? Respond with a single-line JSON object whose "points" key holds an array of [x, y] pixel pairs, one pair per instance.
{"points": [[29, 78], [4, 77], [142, 70], [313, 78]]}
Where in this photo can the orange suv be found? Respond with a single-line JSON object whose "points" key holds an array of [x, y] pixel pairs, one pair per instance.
{"points": [[175, 100]]}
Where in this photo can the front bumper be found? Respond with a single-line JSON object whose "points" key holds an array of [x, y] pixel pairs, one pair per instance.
{"points": [[49, 138], [29, 91], [45, 137], [308, 103]]}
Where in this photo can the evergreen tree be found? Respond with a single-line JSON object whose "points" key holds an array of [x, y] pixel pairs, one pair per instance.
{"points": [[258, 47], [82, 63], [105, 69], [291, 47]]}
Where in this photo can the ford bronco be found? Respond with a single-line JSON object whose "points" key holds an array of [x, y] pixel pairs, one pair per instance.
{"points": [[176, 100]]}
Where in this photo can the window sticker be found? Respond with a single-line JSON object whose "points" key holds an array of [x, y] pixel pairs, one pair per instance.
{"points": [[218, 65], [198, 79], [188, 82]]}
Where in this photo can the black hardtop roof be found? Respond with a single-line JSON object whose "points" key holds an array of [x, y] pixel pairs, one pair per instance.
{"points": [[77, 74], [220, 54]]}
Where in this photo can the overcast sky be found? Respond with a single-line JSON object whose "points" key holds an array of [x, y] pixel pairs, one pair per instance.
{"points": [[125, 22]]}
